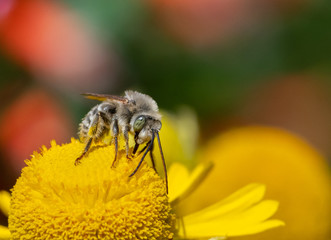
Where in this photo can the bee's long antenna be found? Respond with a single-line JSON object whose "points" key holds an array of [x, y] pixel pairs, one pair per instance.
{"points": [[142, 159], [163, 161]]}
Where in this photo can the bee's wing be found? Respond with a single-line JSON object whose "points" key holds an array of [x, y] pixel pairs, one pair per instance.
{"points": [[104, 97]]}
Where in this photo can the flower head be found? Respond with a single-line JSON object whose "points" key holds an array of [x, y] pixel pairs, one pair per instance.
{"points": [[53, 198]]}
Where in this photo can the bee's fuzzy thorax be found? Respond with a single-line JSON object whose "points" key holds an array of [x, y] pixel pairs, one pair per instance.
{"points": [[143, 102]]}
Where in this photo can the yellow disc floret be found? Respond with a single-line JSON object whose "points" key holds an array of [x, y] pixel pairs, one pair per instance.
{"points": [[54, 199]]}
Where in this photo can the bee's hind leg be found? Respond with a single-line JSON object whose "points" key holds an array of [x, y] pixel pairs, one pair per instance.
{"points": [[115, 133], [87, 147], [92, 135]]}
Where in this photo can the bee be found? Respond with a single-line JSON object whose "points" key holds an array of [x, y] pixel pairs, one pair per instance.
{"points": [[134, 113]]}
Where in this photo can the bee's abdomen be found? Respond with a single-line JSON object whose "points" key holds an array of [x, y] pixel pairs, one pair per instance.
{"points": [[84, 126], [97, 121]]}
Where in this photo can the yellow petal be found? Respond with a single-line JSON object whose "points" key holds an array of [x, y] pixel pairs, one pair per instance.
{"points": [[4, 233], [238, 201], [181, 183], [224, 229], [225, 232], [178, 176], [4, 202], [258, 228], [238, 215]]}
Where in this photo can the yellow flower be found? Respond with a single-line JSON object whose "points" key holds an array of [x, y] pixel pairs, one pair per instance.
{"points": [[54, 199], [294, 172]]}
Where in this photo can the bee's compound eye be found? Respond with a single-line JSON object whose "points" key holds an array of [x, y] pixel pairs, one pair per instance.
{"points": [[139, 123]]}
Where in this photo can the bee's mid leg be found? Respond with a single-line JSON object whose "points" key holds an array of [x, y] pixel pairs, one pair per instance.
{"points": [[87, 147], [115, 134]]}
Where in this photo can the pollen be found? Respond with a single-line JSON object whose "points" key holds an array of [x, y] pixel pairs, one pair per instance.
{"points": [[54, 199]]}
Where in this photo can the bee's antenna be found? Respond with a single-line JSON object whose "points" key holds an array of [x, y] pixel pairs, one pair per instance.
{"points": [[163, 161], [142, 159], [152, 158]]}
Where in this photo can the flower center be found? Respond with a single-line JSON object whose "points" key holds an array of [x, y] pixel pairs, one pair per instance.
{"points": [[54, 199]]}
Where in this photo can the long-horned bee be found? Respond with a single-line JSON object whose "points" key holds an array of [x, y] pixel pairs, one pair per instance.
{"points": [[134, 113]]}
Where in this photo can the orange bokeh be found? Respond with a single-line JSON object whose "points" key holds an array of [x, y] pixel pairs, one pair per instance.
{"points": [[54, 44], [31, 121]]}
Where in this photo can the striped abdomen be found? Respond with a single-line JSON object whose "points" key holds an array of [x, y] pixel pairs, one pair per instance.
{"points": [[97, 121]]}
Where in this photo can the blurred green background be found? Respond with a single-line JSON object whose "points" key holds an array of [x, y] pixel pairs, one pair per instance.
{"points": [[233, 62]]}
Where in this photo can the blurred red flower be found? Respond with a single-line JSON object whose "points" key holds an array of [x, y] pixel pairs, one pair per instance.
{"points": [[202, 23], [31, 121], [55, 44]]}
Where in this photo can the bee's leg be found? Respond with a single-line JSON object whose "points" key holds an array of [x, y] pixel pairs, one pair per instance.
{"points": [[126, 138], [87, 147], [115, 133], [136, 146], [92, 133], [152, 157]]}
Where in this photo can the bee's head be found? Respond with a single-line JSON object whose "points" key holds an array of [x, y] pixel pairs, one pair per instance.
{"points": [[143, 126]]}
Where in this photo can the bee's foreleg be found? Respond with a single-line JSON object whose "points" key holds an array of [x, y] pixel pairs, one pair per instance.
{"points": [[87, 147], [144, 148], [115, 134], [126, 138], [136, 146]]}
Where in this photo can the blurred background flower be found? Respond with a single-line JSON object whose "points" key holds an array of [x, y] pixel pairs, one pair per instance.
{"points": [[30, 121], [295, 173], [233, 63], [55, 45]]}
